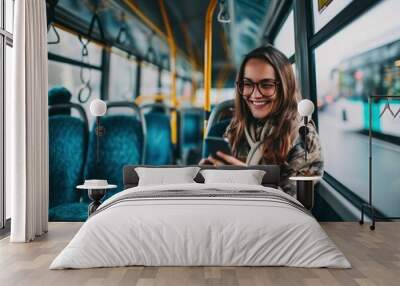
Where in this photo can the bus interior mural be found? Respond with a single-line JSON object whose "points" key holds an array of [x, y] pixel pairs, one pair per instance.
{"points": [[201, 142], [146, 61]]}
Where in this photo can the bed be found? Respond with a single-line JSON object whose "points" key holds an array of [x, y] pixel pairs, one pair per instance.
{"points": [[201, 224]]}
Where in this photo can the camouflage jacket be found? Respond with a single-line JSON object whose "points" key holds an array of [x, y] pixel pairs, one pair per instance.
{"points": [[295, 164]]}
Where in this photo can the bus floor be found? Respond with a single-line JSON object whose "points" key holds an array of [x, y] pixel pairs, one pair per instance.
{"points": [[374, 255], [346, 156]]}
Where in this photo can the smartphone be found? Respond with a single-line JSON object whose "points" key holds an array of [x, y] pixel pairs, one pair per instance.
{"points": [[214, 144]]}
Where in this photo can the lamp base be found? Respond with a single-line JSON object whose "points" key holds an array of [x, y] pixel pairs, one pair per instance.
{"points": [[95, 195], [305, 193], [100, 130]]}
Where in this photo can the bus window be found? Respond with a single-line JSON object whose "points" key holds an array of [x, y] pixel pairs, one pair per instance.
{"points": [[186, 93], [122, 76], [70, 47], [357, 62], [65, 68], [284, 40], [149, 81], [166, 83], [67, 75], [325, 10]]}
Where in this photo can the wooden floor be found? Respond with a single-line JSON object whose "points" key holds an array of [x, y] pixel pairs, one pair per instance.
{"points": [[375, 257]]}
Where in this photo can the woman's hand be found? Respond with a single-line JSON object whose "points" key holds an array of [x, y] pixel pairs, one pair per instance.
{"points": [[226, 159], [206, 161], [211, 161], [229, 159]]}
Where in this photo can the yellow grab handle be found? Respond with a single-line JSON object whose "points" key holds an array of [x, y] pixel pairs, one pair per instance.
{"points": [[208, 61]]}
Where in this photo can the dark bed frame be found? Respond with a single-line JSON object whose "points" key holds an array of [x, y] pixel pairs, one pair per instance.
{"points": [[270, 179]]}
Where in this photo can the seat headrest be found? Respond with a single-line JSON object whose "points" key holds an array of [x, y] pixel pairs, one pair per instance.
{"points": [[58, 95]]}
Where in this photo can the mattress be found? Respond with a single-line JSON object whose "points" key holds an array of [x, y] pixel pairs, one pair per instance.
{"points": [[201, 225]]}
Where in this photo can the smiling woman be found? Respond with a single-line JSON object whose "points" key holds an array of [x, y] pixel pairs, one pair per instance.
{"points": [[264, 129], [261, 100]]}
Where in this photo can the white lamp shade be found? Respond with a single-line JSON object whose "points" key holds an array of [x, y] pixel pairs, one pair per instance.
{"points": [[98, 107], [305, 107]]}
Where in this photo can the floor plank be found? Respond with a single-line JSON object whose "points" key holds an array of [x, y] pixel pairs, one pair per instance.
{"points": [[374, 255]]}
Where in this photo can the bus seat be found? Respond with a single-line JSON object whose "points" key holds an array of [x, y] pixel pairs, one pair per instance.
{"points": [[155, 107], [191, 135], [220, 118], [158, 149], [218, 129], [121, 144], [67, 153], [59, 95]]}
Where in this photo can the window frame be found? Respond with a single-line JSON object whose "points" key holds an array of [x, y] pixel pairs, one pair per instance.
{"points": [[304, 51], [6, 39], [349, 14], [304, 10], [103, 67]]}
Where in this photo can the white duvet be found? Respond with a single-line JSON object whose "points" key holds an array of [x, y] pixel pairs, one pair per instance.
{"points": [[183, 231]]}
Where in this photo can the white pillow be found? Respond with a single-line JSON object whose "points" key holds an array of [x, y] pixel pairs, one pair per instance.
{"points": [[249, 177], [163, 176]]}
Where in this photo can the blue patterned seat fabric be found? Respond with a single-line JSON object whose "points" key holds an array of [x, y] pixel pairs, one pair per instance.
{"points": [[66, 160], [191, 137], [159, 146], [69, 212], [191, 131], [121, 144], [59, 95]]}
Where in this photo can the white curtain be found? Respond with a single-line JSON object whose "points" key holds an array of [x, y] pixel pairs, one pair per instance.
{"points": [[27, 123]]}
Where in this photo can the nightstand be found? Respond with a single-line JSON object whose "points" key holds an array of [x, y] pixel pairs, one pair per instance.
{"points": [[95, 193], [305, 189]]}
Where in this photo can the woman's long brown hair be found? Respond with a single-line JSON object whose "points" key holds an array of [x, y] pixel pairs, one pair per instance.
{"points": [[284, 108]]}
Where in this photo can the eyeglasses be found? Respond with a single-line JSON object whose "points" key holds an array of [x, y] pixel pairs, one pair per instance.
{"points": [[266, 87]]}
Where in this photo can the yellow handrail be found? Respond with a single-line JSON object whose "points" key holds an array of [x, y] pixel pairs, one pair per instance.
{"points": [[208, 60], [172, 48]]}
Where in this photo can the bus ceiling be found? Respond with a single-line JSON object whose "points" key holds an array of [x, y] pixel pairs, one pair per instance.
{"points": [[138, 28]]}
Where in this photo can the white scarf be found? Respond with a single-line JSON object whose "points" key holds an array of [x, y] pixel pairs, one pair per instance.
{"points": [[256, 152]]}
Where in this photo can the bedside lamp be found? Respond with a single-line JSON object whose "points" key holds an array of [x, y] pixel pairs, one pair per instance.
{"points": [[305, 183], [305, 109], [98, 108]]}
